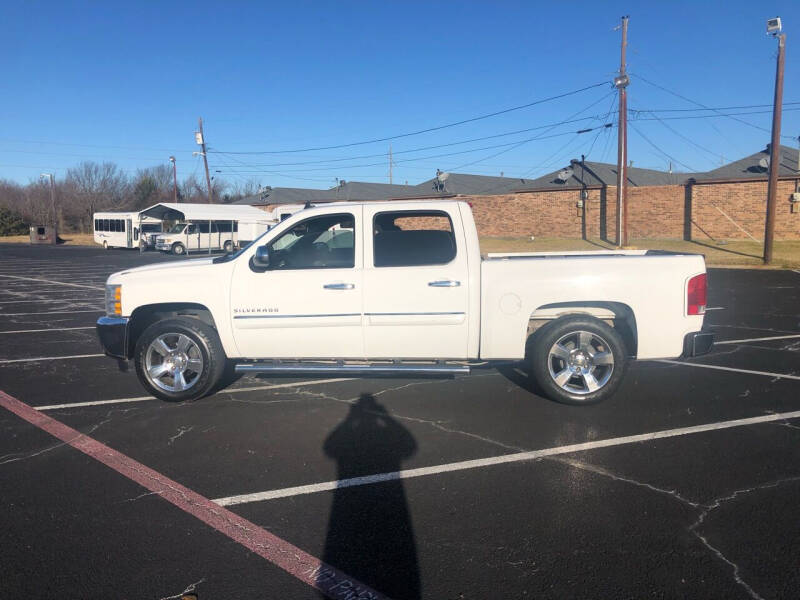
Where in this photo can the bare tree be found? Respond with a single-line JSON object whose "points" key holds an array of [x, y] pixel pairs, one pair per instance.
{"points": [[92, 186]]}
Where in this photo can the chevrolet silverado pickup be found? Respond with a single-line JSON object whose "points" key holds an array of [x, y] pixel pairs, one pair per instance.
{"points": [[381, 288]]}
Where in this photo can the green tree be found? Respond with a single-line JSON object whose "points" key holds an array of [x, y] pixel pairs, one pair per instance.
{"points": [[11, 223]]}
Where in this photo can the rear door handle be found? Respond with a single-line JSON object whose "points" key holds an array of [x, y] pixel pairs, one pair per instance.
{"points": [[339, 286], [444, 283]]}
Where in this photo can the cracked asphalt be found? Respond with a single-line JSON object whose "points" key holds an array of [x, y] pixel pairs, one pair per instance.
{"points": [[709, 510]]}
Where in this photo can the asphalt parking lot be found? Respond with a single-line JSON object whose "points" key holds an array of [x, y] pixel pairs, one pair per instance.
{"points": [[685, 484]]}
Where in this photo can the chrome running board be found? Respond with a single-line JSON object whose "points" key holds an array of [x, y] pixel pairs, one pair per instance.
{"points": [[362, 369]]}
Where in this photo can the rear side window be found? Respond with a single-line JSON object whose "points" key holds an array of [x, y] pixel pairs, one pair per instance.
{"points": [[412, 238]]}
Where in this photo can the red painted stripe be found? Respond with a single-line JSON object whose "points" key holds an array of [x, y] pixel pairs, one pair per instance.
{"points": [[308, 569]]}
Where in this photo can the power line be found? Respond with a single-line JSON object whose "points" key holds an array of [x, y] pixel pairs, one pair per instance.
{"points": [[715, 116], [429, 129], [421, 158], [608, 114], [690, 101], [687, 139], [412, 150], [517, 145], [662, 110], [659, 150]]}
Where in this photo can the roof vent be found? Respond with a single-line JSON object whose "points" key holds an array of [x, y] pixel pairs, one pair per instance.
{"points": [[440, 183], [564, 175]]}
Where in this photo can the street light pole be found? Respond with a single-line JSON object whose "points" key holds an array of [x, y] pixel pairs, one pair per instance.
{"points": [[774, 149], [52, 195], [201, 141], [174, 179]]}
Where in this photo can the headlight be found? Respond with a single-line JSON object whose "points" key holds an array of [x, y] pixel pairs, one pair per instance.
{"points": [[114, 300]]}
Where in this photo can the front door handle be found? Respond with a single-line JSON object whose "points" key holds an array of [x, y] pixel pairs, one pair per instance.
{"points": [[339, 286], [444, 283]]}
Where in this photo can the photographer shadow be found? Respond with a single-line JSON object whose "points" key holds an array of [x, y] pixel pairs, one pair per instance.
{"points": [[370, 536]]}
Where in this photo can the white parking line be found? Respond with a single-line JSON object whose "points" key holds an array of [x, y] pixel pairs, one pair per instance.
{"points": [[762, 339], [42, 358], [717, 367], [498, 460], [259, 388], [55, 312], [91, 287], [43, 330]]}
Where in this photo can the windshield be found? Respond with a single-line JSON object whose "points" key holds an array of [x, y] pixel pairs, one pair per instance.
{"points": [[177, 228]]}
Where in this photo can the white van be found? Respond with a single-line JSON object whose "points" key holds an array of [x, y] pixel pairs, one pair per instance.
{"points": [[123, 229], [215, 235]]}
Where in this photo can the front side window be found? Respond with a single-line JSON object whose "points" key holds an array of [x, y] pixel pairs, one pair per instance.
{"points": [[325, 242], [412, 238]]}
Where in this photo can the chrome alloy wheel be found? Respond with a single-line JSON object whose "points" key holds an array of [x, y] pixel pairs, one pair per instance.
{"points": [[580, 362], [173, 362]]}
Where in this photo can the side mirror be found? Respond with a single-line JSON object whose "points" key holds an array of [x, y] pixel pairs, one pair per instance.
{"points": [[261, 257]]}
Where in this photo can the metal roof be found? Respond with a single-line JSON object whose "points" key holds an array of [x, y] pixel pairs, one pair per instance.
{"points": [[347, 190], [205, 212]]}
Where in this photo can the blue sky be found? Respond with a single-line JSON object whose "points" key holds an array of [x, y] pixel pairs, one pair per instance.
{"points": [[126, 82]]}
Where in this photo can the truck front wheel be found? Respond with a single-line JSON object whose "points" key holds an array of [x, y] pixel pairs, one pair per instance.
{"points": [[179, 359], [178, 248], [578, 360]]}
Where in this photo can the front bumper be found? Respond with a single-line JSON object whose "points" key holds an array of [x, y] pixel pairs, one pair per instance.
{"points": [[113, 334], [697, 343]]}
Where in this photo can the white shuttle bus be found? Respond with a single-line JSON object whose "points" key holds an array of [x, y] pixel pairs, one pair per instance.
{"points": [[123, 229]]}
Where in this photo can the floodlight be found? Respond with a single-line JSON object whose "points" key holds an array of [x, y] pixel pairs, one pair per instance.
{"points": [[774, 26]]}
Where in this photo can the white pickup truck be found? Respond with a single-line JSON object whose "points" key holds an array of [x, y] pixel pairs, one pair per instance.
{"points": [[377, 288]]}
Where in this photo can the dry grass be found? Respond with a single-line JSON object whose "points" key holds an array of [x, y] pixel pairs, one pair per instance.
{"points": [[786, 254], [69, 239]]}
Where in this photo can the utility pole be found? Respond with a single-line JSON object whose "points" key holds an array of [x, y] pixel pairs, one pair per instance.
{"points": [[201, 141], [774, 149], [390, 164], [621, 82], [174, 179]]}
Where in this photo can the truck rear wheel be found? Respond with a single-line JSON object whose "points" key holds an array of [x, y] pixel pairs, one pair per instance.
{"points": [[178, 249], [578, 360], [179, 359], [228, 246]]}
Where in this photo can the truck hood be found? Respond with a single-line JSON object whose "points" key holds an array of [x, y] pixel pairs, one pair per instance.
{"points": [[172, 267]]}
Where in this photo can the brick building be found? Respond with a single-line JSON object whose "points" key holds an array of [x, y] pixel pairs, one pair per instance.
{"points": [[580, 200]]}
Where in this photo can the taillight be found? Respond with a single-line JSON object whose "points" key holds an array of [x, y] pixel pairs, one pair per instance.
{"points": [[696, 295]]}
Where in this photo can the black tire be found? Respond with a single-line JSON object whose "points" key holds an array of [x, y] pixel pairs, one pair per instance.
{"points": [[228, 246], [578, 360], [204, 346], [178, 249]]}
